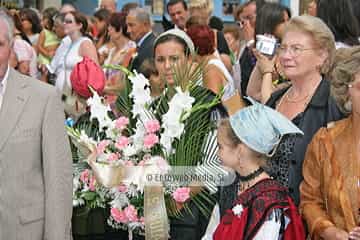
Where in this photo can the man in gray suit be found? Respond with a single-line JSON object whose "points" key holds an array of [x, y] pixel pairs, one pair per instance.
{"points": [[35, 159]]}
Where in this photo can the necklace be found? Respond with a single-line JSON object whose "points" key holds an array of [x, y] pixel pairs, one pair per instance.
{"points": [[252, 175], [288, 99], [247, 181]]}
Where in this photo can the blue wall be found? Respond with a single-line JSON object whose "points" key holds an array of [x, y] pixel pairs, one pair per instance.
{"points": [[89, 6]]}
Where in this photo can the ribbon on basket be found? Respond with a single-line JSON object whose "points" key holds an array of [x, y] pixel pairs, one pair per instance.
{"points": [[156, 220]]}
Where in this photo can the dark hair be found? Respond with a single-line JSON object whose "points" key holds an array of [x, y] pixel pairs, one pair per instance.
{"points": [[80, 19], [340, 18], [173, 38], [356, 7], [173, 2], [118, 21], [148, 68], [203, 38], [17, 24], [128, 6], [50, 14], [103, 15], [33, 18], [216, 23], [269, 16]]}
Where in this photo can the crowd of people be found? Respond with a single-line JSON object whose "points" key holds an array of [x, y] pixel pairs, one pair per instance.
{"points": [[295, 147]]}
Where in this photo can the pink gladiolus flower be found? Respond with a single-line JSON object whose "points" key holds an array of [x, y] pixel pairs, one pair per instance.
{"points": [[122, 188], [129, 163], [150, 140], [152, 126], [84, 177], [118, 215], [122, 142], [101, 146], [121, 123], [113, 157], [131, 213], [92, 184], [181, 194]]}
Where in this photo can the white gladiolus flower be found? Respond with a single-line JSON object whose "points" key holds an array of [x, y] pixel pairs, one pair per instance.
{"points": [[99, 110]]}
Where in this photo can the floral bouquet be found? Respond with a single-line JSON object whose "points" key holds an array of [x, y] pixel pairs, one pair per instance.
{"points": [[145, 137]]}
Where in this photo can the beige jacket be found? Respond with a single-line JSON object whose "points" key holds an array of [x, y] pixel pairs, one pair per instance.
{"points": [[35, 163]]}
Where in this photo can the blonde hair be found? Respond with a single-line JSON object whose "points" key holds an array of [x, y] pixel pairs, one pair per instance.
{"points": [[320, 33], [202, 4], [343, 74]]}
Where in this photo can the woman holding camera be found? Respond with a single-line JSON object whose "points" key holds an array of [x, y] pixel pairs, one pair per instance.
{"points": [[265, 77], [306, 54]]}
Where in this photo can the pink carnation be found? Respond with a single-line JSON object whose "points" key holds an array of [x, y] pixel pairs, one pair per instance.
{"points": [[181, 194], [122, 142], [101, 146], [152, 126], [121, 123], [92, 184], [118, 215], [113, 157], [84, 177], [131, 213], [150, 140]]}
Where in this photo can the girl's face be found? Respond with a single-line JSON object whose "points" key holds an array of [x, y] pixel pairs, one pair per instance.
{"points": [[228, 152], [167, 56], [45, 23], [114, 35], [25, 23], [100, 25]]}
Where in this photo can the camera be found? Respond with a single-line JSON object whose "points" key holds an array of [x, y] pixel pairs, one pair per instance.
{"points": [[266, 44]]}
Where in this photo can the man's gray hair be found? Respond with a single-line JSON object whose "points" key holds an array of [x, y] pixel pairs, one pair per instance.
{"points": [[142, 15], [9, 25]]}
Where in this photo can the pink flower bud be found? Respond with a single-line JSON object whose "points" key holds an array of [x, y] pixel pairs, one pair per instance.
{"points": [[181, 194]]}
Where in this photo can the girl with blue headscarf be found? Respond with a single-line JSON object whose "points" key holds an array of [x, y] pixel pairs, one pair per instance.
{"points": [[262, 208]]}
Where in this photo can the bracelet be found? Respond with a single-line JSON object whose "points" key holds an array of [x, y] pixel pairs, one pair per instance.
{"points": [[266, 72]]}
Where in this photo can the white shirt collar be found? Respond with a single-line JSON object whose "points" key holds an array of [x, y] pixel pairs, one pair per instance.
{"points": [[143, 39], [4, 83]]}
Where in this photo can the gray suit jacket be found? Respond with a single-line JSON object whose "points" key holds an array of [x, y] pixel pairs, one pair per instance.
{"points": [[35, 163]]}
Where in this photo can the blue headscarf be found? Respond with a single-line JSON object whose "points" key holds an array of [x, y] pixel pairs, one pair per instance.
{"points": [[261, 127]]}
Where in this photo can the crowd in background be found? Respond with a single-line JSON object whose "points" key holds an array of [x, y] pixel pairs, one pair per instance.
{"points": [[312, 78]]}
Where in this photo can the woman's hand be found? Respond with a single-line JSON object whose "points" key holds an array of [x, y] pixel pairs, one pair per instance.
{"points": [[264, 63], [334, 233], [355, 234]]}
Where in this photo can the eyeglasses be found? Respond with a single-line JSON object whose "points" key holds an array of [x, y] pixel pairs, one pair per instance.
{"points": [[294, 50], [68, 21], [240, 23]]}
